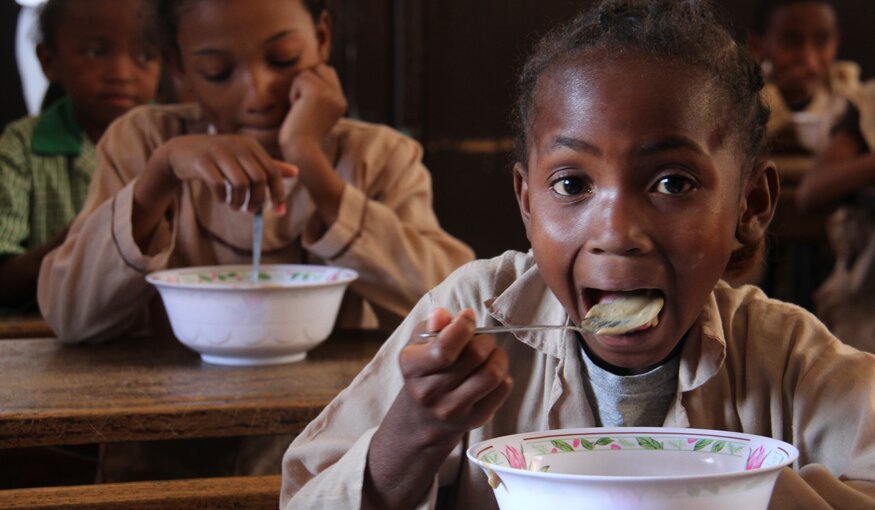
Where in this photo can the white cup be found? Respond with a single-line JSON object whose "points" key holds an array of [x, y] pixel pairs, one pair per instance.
{"points": [[809, 130]]}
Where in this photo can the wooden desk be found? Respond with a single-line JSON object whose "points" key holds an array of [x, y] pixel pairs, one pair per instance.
{"points": [[151, 388], [24, 326]]}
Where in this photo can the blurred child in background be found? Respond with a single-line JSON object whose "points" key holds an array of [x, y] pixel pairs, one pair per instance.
{"points": [[807, 90], [102, 55], [177, 186], [842, 182]]}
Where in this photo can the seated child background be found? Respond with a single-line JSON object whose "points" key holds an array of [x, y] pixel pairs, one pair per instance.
{"points": [[842, 184], [101, 54], [639, 172], [177, 185], [267, 127], [796, 42]]}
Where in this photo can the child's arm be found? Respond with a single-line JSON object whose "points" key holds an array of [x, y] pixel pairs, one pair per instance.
{"points": [[842, 170], [374, 204], [317, 104], [813, 487], [19, 272], [452, 384]]}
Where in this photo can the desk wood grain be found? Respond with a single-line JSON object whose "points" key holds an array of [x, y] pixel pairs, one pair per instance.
{"points": [[238, 493], [24, 326], [154, 388]]}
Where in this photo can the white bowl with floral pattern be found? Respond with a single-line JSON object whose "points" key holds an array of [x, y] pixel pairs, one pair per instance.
{"points": [[222, 314], [640, 468]]}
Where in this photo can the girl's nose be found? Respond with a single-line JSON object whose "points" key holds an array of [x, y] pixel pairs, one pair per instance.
{"points": [[811, 57], [618, 229], [260, 86], [123, 66]]}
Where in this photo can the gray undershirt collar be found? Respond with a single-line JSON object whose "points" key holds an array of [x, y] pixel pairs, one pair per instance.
{"points": [[640, 400]]}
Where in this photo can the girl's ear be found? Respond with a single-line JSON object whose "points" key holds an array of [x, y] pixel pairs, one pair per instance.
{"points": [[521, 188], [324, 30], [758, 203], [47, 60]]}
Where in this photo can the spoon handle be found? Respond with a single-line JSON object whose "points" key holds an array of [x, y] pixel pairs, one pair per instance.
{"points": [[504, 329], [257, 235]]}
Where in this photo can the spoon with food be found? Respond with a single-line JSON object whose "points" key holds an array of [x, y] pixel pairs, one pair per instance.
{"points": [[622, 315]]}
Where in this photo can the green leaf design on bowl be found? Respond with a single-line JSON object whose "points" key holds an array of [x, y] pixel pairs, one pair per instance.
{"points": [[648, 443], [562, 445]]}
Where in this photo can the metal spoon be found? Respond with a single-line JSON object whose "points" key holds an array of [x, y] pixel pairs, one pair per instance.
{"points": [[257, 234], [616, 317], [591, 325]]}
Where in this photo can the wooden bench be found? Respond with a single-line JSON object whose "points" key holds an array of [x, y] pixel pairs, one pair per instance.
{"points": [[239, 493]]}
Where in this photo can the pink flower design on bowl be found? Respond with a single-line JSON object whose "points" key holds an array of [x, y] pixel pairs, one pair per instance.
{"points": [[755, 460], [515, 457]]}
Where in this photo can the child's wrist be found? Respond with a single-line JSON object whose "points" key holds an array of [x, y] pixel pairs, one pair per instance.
{"points": [[303, 150]]}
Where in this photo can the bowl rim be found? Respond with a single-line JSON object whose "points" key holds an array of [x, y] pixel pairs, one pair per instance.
{"points": [[345, 276], [478, 448]]}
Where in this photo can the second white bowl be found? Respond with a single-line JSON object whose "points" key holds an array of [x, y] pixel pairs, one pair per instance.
{"points": [[218, 311]]}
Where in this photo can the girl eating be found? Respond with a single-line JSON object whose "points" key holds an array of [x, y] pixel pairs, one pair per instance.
{"points": [[639, 176]]}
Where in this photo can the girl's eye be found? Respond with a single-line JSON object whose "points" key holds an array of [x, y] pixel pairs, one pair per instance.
{"points": [[285, 63], [569, 186], [146, 56], [219, 76], [673, 185], [93, 51]]}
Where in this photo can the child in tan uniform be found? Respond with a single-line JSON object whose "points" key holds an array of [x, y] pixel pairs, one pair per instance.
{"points": [[177, 185], [807, 89], [842, 183], [639, 175]]}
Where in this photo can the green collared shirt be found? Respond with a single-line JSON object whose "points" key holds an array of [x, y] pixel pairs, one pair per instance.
{"points": [[46, 164]]}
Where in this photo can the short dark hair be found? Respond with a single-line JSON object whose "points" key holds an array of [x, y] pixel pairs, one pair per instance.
{"points": [[763, 10], [166, 16], [50, 16], [53, 12], [685, 32]]}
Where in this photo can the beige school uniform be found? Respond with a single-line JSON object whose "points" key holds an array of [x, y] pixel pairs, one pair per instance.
{"points": [[749, 364], [828, 103], [846, 299], [93, 288]]}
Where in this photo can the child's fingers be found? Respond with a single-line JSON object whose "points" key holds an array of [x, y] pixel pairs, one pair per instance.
{"points": [[210, 174], [438, 319], [484, 378], [419, 359], [277, 190], [285, 169], [429, 388], [238, 183], [258, 179], [483, 389], [445, 348], [328, 74], [483, 410]]}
